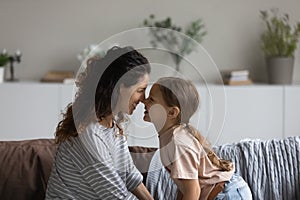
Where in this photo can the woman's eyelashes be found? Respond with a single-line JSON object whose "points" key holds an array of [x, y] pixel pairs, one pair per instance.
{"points": [[141, 90]]}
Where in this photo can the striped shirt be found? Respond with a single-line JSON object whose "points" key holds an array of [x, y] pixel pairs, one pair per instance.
{"points": [[97, 165]]}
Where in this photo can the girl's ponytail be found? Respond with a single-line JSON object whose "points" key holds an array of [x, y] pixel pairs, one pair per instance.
{"points": [[225, 165]]}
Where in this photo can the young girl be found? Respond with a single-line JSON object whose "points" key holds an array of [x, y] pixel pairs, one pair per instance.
{"points": [[194, 167]]}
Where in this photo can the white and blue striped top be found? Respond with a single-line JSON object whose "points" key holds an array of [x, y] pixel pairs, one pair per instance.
{"points": [[97, 165]]}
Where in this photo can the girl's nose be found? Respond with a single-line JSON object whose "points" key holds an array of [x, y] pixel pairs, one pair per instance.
{"points": [[144, 101]]}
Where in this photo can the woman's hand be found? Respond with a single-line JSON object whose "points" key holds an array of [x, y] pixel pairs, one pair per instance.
{"points": [[142, 193], [190, 189]]}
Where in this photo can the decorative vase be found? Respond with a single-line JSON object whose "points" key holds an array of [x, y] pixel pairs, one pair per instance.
{"points": [[1, 74], [280, 70]]}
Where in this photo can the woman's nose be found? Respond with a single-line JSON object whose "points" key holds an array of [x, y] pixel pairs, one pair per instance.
{"points": [[142, 97]]}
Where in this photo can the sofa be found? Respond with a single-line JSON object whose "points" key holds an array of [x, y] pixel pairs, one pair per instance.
{"points": [[270, 167], [25, 167]]}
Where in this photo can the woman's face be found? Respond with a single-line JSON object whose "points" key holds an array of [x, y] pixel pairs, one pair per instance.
{"points": [[131, 96], [155, 108]]}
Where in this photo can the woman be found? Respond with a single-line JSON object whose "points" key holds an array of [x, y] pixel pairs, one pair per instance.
{"points": [[92, 160], [194, 167]]}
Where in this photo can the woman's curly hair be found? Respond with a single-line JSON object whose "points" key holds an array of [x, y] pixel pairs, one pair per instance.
{"points": [[98, 88]]}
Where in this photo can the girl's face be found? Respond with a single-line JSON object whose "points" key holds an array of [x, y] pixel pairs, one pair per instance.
{"points": [[155, 108], [131, 96]]}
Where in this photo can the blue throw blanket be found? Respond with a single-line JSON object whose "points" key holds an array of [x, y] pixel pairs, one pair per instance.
{"points": [[270, 167], [158, 181]]}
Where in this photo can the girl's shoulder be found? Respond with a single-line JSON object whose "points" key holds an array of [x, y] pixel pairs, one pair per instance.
{"points": [[182, 132], [183, 137]]}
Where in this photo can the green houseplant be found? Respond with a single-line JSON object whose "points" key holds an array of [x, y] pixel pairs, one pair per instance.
{"points": [[4, 58], [177, 45], [279, 43], [90, 51]]}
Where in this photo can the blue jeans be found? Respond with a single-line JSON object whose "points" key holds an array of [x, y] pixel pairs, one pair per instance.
{"points": [[236, 188]]}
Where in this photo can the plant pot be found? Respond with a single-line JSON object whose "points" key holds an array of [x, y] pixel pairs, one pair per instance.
{"points": [[1, 74], [280, 70]]}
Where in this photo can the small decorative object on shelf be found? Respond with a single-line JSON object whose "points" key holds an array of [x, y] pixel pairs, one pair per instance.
{"points": [[4, 58], [178, 45], [12, 59], [58, 76], [236, 77]]}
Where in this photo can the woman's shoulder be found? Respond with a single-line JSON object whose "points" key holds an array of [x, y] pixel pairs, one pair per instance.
{"points": [[95, 131]]}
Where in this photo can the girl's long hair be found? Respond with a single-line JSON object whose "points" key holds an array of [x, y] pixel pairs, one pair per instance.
{"points": [[184, 95], [98, 88]]}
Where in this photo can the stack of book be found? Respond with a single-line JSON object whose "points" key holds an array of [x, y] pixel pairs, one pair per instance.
{"points": [[57, 76], [236, 77]]}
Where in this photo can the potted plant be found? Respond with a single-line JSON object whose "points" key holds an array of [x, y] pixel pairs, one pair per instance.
{"points": [[177, 45], [279, 42], [90, 51], [4, 58]]}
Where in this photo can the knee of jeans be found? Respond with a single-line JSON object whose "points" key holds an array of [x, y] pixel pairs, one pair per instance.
{"points": [[245, 193]]}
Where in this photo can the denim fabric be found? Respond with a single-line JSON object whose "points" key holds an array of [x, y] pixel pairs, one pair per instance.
{"points": [[236, 188]]}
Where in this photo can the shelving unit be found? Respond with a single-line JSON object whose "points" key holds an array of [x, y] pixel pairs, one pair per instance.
{"points": [[227, 114]]}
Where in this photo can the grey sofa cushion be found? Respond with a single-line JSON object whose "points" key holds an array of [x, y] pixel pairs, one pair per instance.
{"points": [[270, 167]]}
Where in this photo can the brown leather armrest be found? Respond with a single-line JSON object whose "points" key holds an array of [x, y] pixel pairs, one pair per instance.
{"points": [[141, 157]]}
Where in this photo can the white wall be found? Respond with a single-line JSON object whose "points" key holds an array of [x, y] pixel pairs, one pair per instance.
{"points": [[50, 33]]}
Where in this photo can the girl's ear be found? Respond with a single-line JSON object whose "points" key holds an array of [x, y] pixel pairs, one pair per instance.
{"points": [[173, 112]]}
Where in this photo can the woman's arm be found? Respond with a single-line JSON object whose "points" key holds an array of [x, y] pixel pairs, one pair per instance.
{"points": [[142, 193], [190, 189]]}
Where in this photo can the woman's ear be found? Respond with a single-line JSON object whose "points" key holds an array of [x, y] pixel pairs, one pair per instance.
{"points": [[173, 112]]}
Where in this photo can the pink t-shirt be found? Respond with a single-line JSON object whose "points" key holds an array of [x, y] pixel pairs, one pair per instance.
{"points": [[184, 157]]}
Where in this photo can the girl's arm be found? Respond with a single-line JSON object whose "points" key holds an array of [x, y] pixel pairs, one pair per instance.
{"points": [[190, 189], [179, 195]]}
